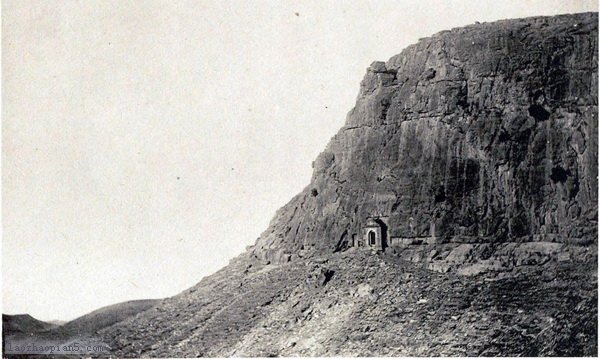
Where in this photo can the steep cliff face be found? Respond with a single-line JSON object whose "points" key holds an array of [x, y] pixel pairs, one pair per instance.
{"points": [[482, 134]]}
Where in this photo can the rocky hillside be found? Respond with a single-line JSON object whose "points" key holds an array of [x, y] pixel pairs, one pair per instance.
{"points": [[356, 303]]}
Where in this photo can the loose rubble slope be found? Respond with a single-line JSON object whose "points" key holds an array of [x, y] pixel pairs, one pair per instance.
{"points": [[357, 303]]}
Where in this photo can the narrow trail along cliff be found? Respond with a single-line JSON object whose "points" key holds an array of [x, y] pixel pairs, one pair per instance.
{"points": [[455, 213]]}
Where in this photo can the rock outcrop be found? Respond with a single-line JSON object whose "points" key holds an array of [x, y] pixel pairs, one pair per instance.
{"points": [[485, 134]]}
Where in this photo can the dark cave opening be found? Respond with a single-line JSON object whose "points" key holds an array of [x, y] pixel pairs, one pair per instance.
{"points": [[559, 174], [539, 113], [440, 196]]}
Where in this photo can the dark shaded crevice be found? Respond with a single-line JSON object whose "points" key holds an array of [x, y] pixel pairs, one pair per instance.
{"points": [[440, 195], [559, 174], [539, 113], [342, 243]]}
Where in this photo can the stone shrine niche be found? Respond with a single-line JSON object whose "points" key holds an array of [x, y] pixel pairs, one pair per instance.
{"points": [[373, 234]]}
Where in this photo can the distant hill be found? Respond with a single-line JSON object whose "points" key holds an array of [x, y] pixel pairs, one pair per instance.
{"points": [[57, 322], [104, 317], [19, 330], [24, 323], [84, 325]]}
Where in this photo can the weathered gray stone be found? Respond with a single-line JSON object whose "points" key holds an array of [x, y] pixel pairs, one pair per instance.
{"points": [[487, 132]]}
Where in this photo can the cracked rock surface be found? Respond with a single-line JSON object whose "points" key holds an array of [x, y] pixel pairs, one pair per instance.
{"points": [[486, 133]]}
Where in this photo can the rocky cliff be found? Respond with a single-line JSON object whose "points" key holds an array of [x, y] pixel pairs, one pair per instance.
{"points": [[484, 135]]}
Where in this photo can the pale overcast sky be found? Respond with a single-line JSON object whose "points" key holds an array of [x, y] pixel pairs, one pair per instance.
{"points": [[145, 143]]}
